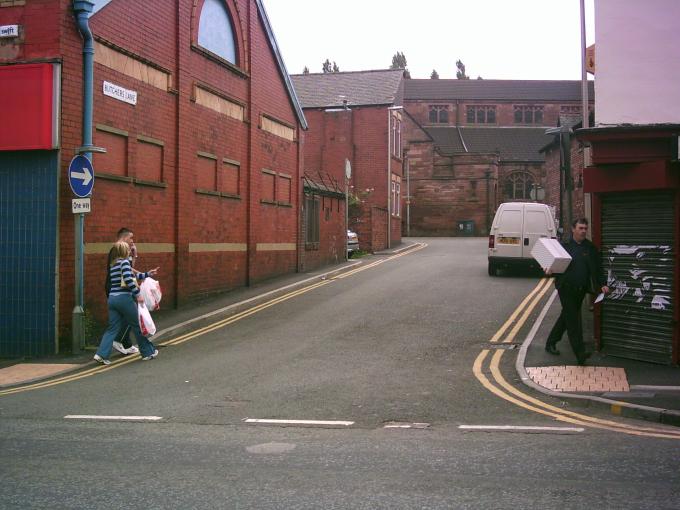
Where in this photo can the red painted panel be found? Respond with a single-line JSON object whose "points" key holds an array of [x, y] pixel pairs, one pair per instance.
{"points": [[643, 176], [26, 103]]}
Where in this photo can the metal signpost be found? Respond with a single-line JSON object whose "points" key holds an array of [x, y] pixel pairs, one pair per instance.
{"points": [[81, 180], [348, 175]]}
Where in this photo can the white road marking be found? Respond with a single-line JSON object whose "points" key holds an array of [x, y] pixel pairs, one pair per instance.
{"points": [[521, 428], [111, 418], [649, 387], [402, 425], [327, 423]]}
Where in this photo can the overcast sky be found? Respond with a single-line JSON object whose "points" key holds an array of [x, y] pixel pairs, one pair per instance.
{"points": [[495, 39]]}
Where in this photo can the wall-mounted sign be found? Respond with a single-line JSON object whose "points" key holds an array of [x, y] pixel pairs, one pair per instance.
{"points": [[80, 205], [590, 59], [7, 31], [120, 93]]}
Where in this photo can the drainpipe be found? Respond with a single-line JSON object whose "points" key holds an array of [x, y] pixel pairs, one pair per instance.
{"points": [[82, 10]]}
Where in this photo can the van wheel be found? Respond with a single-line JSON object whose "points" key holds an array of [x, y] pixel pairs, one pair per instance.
{"points": [[492, 269]]}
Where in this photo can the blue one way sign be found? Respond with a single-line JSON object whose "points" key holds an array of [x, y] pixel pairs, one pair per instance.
{"points": [[81, 176]]}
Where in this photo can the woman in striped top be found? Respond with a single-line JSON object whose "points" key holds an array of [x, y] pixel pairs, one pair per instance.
{"points": [[123, 294]]}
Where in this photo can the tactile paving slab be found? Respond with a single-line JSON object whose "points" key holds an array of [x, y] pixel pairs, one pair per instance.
{"points": [[23, 372], [577, 378]]}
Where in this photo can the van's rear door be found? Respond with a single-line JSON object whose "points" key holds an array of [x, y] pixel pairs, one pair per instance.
{"points": [[537, 224], [508, 231]]}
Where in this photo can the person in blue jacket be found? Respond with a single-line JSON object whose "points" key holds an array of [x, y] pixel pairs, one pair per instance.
{"points": [[583, 275], [122, 304]]}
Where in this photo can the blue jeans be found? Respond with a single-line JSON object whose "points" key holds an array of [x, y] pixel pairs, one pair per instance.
{"points": [[123, 313]]}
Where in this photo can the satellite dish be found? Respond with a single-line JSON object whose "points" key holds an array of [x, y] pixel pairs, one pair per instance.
{"points": [[348, 169]]}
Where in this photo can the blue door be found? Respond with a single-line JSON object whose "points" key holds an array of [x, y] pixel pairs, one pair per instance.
{"points": [[28, 251]]}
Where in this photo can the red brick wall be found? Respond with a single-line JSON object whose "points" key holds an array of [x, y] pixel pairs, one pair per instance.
{"points": [[39, 37], [360, 135], [157, 141], [332, 237], [505, 111], [449, 190], [552, 182]]}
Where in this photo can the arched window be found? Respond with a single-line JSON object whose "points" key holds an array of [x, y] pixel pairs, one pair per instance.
{"points": [[215, 30], [518, 186]]}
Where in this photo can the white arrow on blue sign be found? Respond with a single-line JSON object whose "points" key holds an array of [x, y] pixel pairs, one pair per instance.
{"points": [[81, 176]]}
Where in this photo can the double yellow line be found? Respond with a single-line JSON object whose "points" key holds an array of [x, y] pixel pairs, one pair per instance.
{"points": [[501, 388], [204, 330]]}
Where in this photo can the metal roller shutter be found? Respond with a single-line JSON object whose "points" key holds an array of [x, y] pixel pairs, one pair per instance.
{"points": [[28, 236], [638, 257]]}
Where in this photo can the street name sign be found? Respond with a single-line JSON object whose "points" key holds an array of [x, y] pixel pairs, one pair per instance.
{"points": [[120, 93], [81, 176], [80, 205]]}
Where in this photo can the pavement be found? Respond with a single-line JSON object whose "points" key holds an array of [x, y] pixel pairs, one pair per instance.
{"points": [[624, 387]]}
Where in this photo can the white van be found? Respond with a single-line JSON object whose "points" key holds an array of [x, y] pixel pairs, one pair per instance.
{"points": [[515, 229]]}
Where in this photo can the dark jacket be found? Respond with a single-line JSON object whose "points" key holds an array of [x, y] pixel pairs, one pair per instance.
{"points": [[595, 278]]}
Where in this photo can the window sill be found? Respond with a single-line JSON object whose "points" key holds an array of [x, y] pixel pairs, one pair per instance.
{"points": [[267, 202], [219, 60], [113, 177], [151, 184], [218, 194]]}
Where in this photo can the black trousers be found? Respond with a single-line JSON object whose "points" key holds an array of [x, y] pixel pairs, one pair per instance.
{"points": [[571, 299]]}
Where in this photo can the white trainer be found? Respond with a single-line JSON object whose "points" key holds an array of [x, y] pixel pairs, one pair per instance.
{"points": [[119, 347], [101, 360], [151, 356], [132, 349]]}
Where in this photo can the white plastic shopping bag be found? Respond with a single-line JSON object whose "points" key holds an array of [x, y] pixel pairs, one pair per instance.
{"points": [[145, 321], [151, 292]]}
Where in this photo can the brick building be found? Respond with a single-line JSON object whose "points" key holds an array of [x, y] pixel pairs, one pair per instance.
{"points": [[353, 116], [562, 187], [202, 132], [473, 144]]}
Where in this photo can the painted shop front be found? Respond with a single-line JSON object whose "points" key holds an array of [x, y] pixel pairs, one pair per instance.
{"points": [[635, 186]]}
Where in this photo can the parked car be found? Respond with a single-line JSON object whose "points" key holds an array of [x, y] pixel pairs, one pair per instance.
{"points": [[515, 229], [352, 242]]}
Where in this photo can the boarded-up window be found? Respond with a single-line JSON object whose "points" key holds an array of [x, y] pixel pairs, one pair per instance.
{"points": [[230, 177], [206, 168], [149, 166], [114, 160], [130, 66], [218, 103], [311, 219], [284, 189], [278, 129], [268, 186]]}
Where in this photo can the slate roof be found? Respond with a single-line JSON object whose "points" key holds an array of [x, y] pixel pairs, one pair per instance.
{"points": [[327, 90], [487, 90], [512, 143]]}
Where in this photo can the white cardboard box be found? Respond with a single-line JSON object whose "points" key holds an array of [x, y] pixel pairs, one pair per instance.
{"points": [[550, 254]]}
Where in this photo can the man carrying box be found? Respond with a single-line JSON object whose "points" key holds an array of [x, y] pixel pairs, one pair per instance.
{"points": [[584, 273]]}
